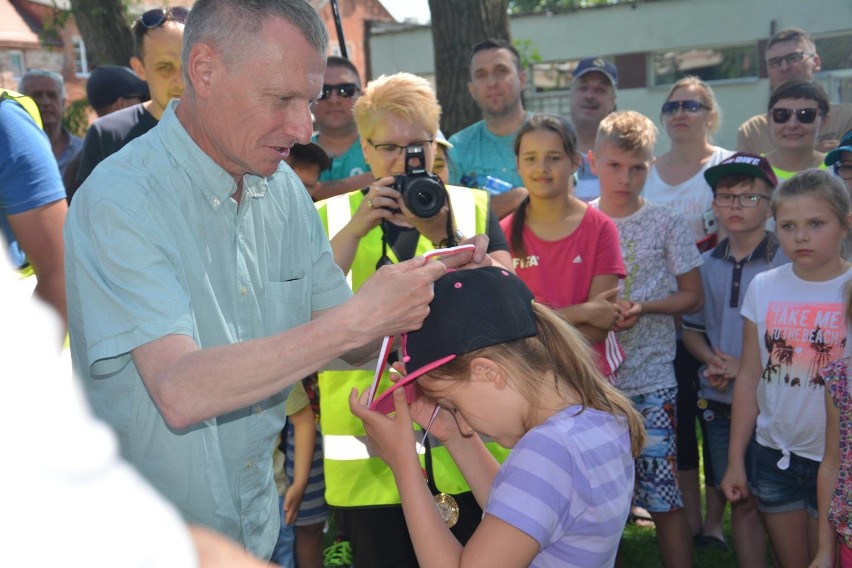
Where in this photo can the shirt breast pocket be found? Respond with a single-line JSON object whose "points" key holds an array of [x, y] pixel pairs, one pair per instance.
{"points": [[287, 304]]}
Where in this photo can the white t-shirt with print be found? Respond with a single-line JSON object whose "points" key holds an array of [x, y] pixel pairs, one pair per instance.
{"points": [[693, 198], [801, 327], [657, 247]]}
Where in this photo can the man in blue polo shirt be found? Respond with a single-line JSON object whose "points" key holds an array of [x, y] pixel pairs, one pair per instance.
{"points": [[485, 149]]}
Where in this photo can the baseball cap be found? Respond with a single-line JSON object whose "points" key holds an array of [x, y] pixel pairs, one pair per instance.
{"points": [[600, 65], [311, 152], [845, 146], [109, 82], [442, 140], [471, 309], [741, 163]]}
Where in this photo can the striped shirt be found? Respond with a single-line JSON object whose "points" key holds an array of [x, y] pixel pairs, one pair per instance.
{"points": [[568, 484]]}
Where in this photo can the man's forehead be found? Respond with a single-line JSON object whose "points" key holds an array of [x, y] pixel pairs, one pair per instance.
{"points": [[786, 47], [594, 77], [41, 83], [492, 56]]}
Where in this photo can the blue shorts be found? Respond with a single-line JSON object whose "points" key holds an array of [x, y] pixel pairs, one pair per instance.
{"points": [[783, 490], [656, 468]]}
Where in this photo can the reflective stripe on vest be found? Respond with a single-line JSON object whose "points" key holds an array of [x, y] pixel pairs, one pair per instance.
{"points": [[353, 477]]}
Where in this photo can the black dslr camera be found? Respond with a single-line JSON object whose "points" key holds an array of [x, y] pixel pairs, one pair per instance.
{"points": [[423, 193]]}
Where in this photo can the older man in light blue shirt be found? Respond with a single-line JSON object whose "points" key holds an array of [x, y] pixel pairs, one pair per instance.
{"points": [[200, 280]]}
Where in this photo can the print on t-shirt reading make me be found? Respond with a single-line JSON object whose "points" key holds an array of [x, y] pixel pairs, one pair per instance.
{"points": [[801, 339]]}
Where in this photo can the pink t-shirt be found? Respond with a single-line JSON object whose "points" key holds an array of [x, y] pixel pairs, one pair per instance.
{"points": [[560, 272]]}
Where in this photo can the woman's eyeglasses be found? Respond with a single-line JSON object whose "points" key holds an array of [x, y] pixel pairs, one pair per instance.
{"points": [[744, 199], [671, 107], [345, 90], [392, 151], [158, 16], [803, 115]]}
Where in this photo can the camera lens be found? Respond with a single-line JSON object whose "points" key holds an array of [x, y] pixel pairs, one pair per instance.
{"points": [[424, 197]]}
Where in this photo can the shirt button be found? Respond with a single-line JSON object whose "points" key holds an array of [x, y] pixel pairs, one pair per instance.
{"points": [[258, 410], [243, 291], [215, 202], [250, 464], [736, 284]]}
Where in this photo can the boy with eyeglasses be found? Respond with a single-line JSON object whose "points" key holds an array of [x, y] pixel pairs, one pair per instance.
{"points": [[742, 188], [841, 159], [791, 55]]}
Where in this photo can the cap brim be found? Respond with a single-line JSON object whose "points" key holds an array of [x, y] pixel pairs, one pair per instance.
{"points": [[612, 80], [832, 157], [384, 403], [714, 174]]}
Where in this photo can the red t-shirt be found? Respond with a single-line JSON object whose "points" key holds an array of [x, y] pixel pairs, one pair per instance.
{"points": [[559, 273]]}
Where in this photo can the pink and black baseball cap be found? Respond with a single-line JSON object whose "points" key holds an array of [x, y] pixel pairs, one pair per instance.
{"points": [[471, 309]]}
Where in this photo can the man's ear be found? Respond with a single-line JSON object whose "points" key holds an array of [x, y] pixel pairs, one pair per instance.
{"points": [[204, 68], [592, 163], [470, 89], [487, 370], [138, 67]]}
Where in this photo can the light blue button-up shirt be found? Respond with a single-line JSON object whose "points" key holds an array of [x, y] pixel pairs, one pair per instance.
{"points": [[156, 246]]}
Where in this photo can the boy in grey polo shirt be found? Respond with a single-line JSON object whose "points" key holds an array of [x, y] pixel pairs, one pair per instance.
{"points": [[742, 186]]}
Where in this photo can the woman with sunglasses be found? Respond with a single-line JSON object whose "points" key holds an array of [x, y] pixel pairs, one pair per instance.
{"points": [[690, 115], [797, 110]]}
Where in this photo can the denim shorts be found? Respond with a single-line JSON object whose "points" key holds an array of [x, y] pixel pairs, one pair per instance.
{"points": [[783, 490], [656, 469]]}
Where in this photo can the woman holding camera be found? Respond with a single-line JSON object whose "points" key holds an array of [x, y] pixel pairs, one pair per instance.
{"points": [[397, 118]]}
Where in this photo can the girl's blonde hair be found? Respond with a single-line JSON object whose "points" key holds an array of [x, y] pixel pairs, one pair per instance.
{"points": [[707, 98], [559, 348], [819, 184]]}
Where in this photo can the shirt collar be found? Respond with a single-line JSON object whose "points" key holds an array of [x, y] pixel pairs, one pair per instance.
{"points": [[208, 177], [764, 251]]}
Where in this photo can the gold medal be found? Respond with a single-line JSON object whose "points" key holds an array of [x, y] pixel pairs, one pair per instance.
{"points": [[447, 508]]}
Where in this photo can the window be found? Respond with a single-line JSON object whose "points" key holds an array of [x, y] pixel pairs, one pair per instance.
{"points": [[553, 76], [81, 63], [16, 64], [835, 52], [708, 63]]}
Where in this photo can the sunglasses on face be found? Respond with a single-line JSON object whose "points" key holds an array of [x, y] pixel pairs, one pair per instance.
{"points": [[344, 90], [672, 107], [803, 115], [790, 58]]}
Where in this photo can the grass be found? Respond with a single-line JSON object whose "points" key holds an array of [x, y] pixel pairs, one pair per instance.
{"points": [[639, 544]]}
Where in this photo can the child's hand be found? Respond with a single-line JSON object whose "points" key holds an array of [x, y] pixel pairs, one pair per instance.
{"points": [[731, 363], [734, 484], [292, 502], [823, 559], [603, 311], [630, 313], [391, 437]]}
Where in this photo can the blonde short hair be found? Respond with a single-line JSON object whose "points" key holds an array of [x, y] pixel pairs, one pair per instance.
{"points": [[708, 98], [401, 94], [629, 131]]}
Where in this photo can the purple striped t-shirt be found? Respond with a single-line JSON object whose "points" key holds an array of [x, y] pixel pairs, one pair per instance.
{"points": [[568, 484]]}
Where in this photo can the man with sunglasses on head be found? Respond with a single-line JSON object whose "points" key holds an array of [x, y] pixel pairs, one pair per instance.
{"points": [[201, 282], [791, 55], [157, 41], [336, 132]]}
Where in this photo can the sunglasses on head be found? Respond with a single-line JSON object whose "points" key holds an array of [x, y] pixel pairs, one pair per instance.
{"points": [[345, 90], [672, 107], [158, 16], [803, 115]]}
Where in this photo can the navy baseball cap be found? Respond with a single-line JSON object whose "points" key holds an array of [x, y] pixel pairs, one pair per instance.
{"points": [[845, 146], [599, 65], [471, 309], [109, 82], [741, 163]]}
